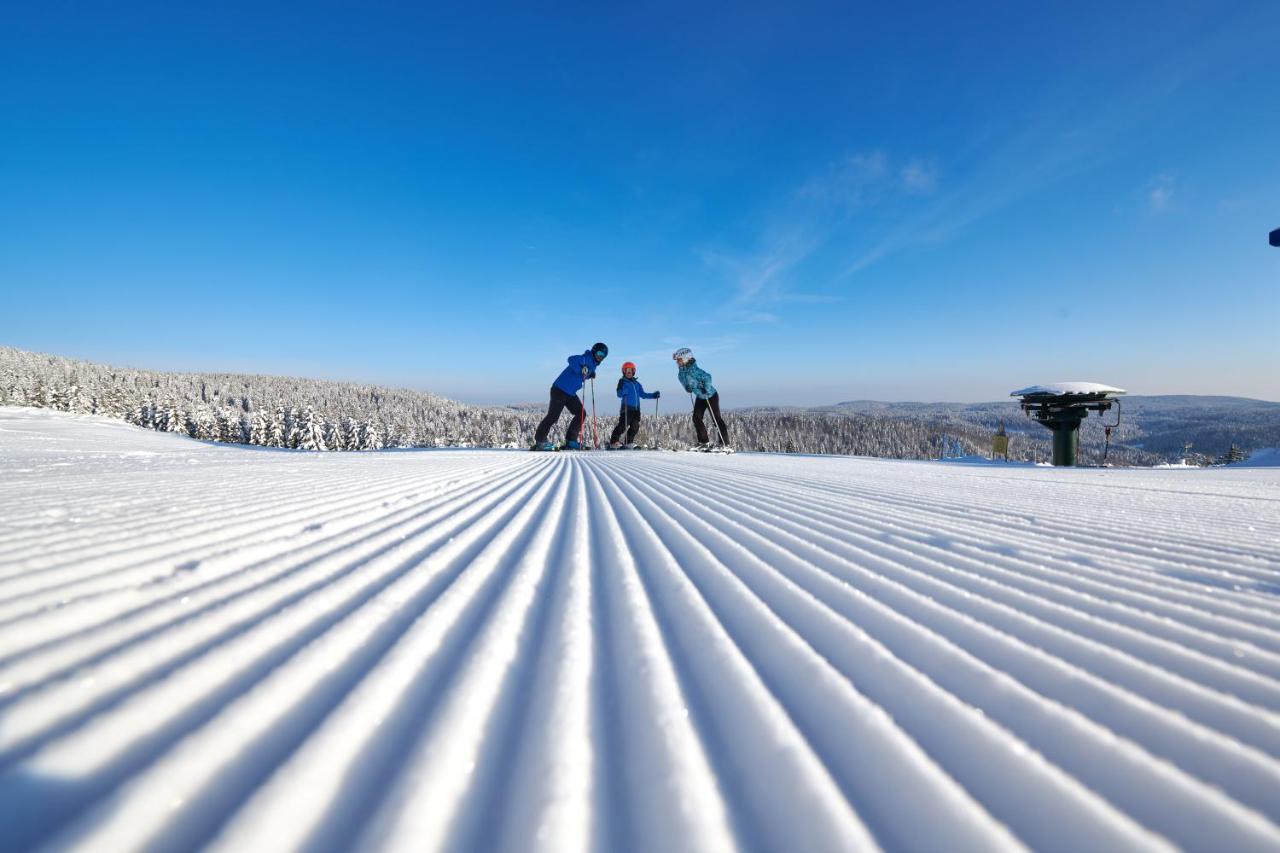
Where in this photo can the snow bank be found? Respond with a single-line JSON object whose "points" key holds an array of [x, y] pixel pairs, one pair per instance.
{"points": [[1266, 457], [238, 648], [985, 460]]}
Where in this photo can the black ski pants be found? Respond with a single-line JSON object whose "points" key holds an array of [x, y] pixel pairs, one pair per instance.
{"points": [[560, 401], [700, 407], [629, 422]]}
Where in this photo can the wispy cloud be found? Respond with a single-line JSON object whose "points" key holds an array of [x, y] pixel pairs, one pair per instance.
{"points": [[805, 221], [919, 177], [701, 348], [1080, 124], [873, 204], [1159, 192], [848, 183]]}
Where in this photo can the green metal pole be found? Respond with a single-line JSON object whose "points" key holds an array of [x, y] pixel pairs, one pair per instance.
{"points": [[1066, 441]]}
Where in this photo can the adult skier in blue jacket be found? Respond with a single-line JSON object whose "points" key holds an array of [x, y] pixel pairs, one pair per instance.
{"points": [[630, 392], [564, 395], [698, 383]]}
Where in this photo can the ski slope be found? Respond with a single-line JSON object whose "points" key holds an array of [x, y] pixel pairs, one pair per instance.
{"points": [[245, 649]]}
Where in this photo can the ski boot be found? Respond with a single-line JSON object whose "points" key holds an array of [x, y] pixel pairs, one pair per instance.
{"points": [[631, 446], [544, 446], [571, 445], [613, 445]]}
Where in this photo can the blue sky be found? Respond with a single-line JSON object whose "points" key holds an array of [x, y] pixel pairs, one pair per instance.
{"points": [[825, 201]]}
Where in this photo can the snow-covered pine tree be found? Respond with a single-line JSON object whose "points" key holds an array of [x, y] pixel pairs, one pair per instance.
{"points": [[226, 426], [292, 428], [259, 432], [332, 434], [310, 431], [278, 436], [200, 424], [348, 436], [169, 419], [370, 436], [1233, 455]]}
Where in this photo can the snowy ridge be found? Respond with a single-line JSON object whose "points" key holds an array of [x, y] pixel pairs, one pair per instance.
{"points": [[206, 645]]}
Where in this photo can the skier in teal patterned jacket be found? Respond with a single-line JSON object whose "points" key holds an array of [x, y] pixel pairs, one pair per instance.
{"points": [[698, 383]]}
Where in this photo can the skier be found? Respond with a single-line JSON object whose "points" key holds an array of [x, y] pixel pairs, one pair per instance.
{"points": [[698, 383], [564, 394], [631, 392]]}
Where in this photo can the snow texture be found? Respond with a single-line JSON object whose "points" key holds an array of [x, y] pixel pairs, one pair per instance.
{"points": [[238, 648], [1067, 388]]}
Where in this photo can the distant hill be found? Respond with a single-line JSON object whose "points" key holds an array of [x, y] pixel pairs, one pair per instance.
{"points": [[1160, 424]]}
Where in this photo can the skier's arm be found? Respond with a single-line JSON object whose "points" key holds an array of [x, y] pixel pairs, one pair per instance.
{"points": [[580, 362], [620, 392]]}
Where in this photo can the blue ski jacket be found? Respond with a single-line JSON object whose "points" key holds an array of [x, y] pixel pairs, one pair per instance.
{"points": [[696, 380], [630, 391], [570, 379]]}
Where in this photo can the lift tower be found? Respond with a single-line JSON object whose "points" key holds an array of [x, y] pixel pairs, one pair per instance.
{"points": [[1061, 406]]}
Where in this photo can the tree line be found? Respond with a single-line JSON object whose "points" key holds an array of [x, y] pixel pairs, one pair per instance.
{"points": [[317, 415]]}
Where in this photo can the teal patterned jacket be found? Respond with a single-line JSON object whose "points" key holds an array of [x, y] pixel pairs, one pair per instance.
{"points": [[696, 380]]}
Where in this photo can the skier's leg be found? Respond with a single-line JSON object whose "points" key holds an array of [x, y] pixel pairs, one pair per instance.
{"points": [[633, 415], [620, 427], [723, 427], [699, 410], [573, 404], [554, 408]]}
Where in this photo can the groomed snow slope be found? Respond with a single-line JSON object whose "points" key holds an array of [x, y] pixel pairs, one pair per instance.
{"points": [[264, 650]]}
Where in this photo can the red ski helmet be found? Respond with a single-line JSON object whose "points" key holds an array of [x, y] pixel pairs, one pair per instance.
{"points": [[628, 365]]}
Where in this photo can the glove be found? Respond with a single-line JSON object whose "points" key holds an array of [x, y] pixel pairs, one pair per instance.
{"points": [[619, 384], [584, 373], [657, 394]]}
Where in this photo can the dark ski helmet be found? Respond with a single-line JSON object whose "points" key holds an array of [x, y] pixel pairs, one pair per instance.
{"points": [[628, 365], [600, 351]]}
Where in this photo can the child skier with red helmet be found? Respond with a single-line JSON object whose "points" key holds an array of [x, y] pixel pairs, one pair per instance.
{"points": [[630, 392]]}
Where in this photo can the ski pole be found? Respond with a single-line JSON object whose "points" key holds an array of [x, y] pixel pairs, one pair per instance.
{"points": [[655, 423], [718, 420], [595, 436]]}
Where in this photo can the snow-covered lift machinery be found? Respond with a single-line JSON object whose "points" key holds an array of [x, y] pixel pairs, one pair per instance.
{"points": [[1061, 407]]}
